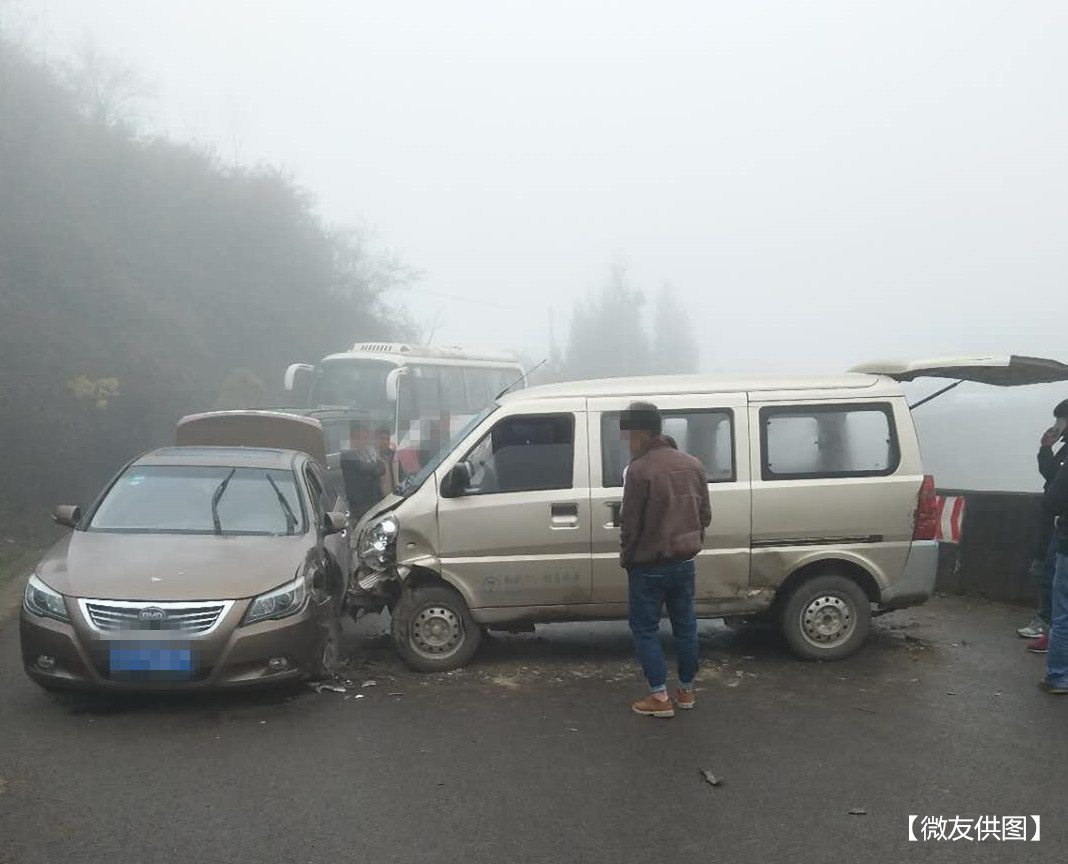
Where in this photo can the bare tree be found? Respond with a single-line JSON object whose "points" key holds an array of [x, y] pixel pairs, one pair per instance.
{"points": [[107, 91]]}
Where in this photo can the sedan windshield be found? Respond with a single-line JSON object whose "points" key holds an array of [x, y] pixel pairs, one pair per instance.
{"points": [[201, 499]]}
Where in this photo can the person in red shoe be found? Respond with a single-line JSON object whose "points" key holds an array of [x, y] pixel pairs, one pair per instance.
{"points": [[663, 518]]}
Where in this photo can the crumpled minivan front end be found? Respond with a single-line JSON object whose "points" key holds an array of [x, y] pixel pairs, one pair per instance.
{"points": [[393, 540]]}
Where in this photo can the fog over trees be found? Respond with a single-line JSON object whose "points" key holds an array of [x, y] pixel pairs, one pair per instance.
{"points": [[142, 279]]}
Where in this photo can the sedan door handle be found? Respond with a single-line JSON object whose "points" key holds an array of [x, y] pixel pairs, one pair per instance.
{"points": [[564, 515]]}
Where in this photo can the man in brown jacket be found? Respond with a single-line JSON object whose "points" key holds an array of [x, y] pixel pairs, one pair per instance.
{"points": [[663, 518]]}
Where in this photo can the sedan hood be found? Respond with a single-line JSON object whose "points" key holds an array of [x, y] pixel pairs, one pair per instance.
{"points": [[162, 567]]}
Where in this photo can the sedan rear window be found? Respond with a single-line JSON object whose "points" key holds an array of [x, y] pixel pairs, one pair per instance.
{"points": [[201, 499]]}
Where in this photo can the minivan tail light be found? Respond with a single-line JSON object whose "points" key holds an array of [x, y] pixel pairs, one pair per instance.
{"points": [[927, 516]]}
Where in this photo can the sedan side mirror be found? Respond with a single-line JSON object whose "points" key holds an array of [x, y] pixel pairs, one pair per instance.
{"points": [[335, 522], [457, 481], [68, 515]]}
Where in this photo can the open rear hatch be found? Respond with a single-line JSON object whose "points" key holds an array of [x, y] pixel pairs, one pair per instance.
{"points": [[272, 429], [1001, 370]]}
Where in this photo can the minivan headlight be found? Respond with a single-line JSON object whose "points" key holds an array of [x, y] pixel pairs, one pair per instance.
{"points": [[282, 602], [378, 543], [42, 600]]}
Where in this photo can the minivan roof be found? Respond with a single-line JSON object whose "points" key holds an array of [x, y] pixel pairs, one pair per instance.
{"points": [[668, 385], [228, 457]]}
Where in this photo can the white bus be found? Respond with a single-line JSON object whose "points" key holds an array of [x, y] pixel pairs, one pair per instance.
{"points": [[420, 393]]}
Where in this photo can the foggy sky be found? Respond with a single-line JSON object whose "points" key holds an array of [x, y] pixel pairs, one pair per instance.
{"points": [[822, 182]]}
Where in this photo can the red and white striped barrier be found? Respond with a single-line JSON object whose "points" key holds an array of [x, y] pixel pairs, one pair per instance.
{"points": [[950, 518]]}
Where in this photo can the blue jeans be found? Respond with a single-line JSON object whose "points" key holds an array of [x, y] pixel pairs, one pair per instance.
{"points": [[1045, 579], [1057, 658], [652, 588]]}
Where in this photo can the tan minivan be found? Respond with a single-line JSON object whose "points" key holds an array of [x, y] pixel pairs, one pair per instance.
{"points": [[821, 510]]}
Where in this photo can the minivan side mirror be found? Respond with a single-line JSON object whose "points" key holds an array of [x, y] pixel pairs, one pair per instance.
{"points": [[457, 481], [68, 515], [335, 522]]}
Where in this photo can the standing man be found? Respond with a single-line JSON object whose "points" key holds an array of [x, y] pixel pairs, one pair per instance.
{"points": [[1049, 463], [1055, 508], [662, 528]]}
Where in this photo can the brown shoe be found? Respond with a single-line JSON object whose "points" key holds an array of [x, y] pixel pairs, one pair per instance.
{"points": [[652, 707], [685, 698]]}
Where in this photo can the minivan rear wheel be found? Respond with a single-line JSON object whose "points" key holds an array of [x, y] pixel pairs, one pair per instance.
{"points": [[826, 618], [433, 629]]}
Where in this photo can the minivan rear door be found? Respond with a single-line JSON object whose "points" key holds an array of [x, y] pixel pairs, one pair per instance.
{"points": [[1002, 370]]}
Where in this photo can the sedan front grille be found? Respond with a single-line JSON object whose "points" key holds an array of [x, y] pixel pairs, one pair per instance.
{"points": [[110, 616]]}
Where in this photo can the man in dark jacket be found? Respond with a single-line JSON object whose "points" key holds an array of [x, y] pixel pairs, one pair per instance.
{"points": [[663, 518], [1045, 559], [1055, 508]]}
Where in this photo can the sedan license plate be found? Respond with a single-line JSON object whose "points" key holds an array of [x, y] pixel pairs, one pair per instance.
{"points": [[151, 661]]}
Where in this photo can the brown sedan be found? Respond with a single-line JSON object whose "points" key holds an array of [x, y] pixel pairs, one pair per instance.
{"points": [[198, 567]]}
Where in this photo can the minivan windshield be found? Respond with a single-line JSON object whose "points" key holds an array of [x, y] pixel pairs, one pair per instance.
{"points": [[201, 499], [413, 483]]}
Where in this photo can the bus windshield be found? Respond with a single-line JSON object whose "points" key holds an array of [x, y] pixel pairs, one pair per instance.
{"points": [[354, 383]]}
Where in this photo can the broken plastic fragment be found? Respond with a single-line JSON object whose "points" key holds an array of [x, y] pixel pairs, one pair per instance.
{"points": [[369, 683], [333, 688], [710, 778], [858, 811]]}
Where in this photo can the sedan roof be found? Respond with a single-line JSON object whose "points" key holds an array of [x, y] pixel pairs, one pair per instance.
{"points": [[229, 457]]}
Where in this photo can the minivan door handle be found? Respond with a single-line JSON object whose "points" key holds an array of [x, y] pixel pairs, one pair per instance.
{"points": [[564, 515]]}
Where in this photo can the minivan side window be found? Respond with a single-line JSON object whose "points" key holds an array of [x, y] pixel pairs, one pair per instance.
{"points": [[809, 441], [706, 434], [524, 454]]}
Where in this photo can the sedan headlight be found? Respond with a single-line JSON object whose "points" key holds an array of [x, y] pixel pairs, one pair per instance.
{"points": [[280, 603], [378, 543], [42, 600]]}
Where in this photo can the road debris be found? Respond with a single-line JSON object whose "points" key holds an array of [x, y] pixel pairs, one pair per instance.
{"points": [[370, 682], [858, 811], [951, 692], [710, 778], [326, 686], [395, 693], [865, 709], [357, 696]]}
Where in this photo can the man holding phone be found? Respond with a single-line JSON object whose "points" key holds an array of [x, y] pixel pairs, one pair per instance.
{"points": [[1045, 560]]}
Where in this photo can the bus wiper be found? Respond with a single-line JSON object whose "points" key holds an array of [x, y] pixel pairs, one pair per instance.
{"points": [[291, 520], [216, 497]]}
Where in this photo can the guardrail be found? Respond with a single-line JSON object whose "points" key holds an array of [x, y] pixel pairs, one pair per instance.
{"points": [[998, 539]]}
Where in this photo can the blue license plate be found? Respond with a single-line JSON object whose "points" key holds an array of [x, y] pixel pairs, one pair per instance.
{"points": [[148, 659]]}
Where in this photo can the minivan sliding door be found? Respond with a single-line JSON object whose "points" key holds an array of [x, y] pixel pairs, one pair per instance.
{"points": [[715, 429]]}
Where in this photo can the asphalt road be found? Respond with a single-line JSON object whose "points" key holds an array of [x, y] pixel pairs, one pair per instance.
{"points": [[531, 754]]}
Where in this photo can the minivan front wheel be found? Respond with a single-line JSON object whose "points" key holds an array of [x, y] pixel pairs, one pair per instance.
{"points": [[826, 618], [433, 629]]}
